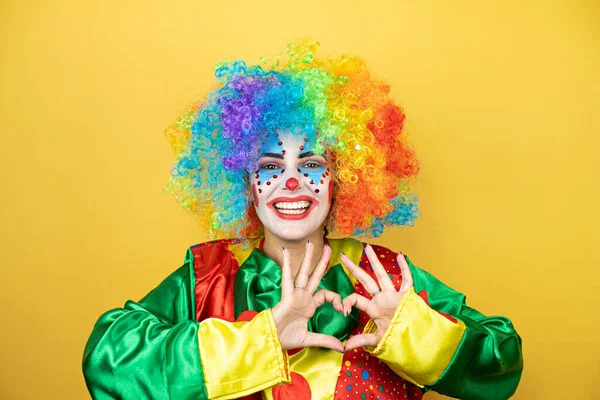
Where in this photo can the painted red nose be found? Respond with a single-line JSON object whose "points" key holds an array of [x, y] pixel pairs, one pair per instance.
{"points": [[292, 184]]}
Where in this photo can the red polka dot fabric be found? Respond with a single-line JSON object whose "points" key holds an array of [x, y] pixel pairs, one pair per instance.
{"points": [[364, 376]]}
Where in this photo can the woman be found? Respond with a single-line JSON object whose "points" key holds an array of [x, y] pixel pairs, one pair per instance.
{"points": [[276, 157]]}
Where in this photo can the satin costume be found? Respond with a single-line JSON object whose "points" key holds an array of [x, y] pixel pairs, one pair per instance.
{"points": [[207, 332]]}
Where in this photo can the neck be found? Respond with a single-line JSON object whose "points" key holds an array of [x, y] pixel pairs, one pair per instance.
{"points": [[273, 246]]}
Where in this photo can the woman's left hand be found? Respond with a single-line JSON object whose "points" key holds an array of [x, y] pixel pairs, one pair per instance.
{"points": [[384, 301]]}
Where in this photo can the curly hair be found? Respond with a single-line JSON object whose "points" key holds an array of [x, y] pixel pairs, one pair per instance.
{"points": [[335, 100]]}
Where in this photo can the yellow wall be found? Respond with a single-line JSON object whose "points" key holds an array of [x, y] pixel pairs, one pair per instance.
{"points": [[502, 101]]}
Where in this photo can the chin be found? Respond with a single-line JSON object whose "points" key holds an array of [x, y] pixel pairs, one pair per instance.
{"points": [[294, 230], [291, 233]]}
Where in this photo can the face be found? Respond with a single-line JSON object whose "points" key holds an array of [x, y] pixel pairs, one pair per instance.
{"points": [[292, 186]]}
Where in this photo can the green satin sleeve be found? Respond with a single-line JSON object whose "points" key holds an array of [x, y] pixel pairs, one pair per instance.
{"points": [[148, 349], [488, 362]]}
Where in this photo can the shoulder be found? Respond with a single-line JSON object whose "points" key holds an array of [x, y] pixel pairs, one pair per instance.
{"points": [[210, 246], [202, 252]]}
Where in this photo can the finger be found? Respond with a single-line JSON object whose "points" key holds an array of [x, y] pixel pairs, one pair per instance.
{"points": [[287, 283], [315, 278], [321, 340], [407, 280], [302, 276], [365, 339], [324, 295], [364, 278], [355, 300], [382, 276]]}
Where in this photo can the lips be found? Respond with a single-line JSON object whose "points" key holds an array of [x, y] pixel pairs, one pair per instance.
{"points": [[292, 208]]}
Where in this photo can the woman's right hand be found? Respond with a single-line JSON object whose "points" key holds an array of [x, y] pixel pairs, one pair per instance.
{"points": [[299, 302]]}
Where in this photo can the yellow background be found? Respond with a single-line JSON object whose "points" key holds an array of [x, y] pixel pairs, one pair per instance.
{"points": [[502, 99]]}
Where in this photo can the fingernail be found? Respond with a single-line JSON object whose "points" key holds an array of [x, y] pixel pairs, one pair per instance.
{"points": [[344, 254]]}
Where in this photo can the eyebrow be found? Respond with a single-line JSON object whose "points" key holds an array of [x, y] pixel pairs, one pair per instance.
{"points": [[272, 155], [306, 154], [280, 156]]}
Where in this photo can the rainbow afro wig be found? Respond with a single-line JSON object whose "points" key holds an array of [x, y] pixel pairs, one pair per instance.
{"points": [[336, 100]]}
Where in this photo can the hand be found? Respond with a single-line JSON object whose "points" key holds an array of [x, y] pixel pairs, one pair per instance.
{"points": [[299, 303], [382, 306]]}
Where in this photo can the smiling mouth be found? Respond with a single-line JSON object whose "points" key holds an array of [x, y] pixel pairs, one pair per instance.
{"points": [[292, 208]]}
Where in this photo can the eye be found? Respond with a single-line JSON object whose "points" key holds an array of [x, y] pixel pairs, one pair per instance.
{"points": [[269, 166], [313, 164]]}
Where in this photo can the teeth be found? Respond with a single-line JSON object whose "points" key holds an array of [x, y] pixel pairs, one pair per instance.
{"points": [[292, 206], [284, 211]]}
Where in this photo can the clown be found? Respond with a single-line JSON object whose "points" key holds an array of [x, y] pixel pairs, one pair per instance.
{"points": [[285, 163]]}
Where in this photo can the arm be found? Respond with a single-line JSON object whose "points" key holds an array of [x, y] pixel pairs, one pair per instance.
{"points": [[155, 349], [439, 343]]}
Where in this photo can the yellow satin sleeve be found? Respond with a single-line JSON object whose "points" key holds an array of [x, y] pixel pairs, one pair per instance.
{"points": [[419, 343], [240, 358]]}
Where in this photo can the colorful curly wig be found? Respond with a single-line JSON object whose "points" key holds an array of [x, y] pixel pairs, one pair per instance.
{"points": [[351, 114]]}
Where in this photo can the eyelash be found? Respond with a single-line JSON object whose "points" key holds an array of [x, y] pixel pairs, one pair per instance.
{"points": [[309, 164], [315, 163], [270, 166]]}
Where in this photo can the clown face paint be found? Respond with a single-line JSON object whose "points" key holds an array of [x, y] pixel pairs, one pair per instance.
{"points": [[292, 186]]}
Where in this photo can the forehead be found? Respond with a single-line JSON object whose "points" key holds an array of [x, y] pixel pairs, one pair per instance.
{"points": [[288, 141]]}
